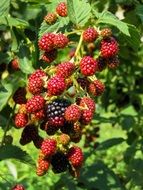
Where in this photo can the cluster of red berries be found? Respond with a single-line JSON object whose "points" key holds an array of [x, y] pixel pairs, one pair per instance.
{"points": [[60, 99], [61, 10]]}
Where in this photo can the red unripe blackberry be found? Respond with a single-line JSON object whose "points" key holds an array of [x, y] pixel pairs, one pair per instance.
{"points": [[35, 82], [96, 88], [46, 42], [88, 66], [109, 47], [113, 62], [29, 133], [101, 64], [90, 35], [75, 156], [40, 172], [18, 187], [19, 96], [59, 162], [21, 120], [15, 64], [39, 115], [60, 40], [43, 166], [56, 86], [35, 104], [72, 113], [65, 69], [86, 116], [50, 56], [106, 32], [50, 18], [61, 9], [87, 102], [37, 74], [35, 85], [49, 147], [55, 112]]}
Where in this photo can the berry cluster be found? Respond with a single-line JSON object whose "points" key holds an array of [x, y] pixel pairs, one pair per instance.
{"points": [[61, 10], [59, 100]]}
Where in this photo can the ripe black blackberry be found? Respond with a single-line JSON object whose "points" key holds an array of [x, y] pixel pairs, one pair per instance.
{"points": [[29, 133], [55, 112], [67, 128], [59, 162], [50, 130], [101, 64]]}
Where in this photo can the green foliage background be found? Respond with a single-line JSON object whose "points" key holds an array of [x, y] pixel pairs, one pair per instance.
{"points": [[117, 162]]}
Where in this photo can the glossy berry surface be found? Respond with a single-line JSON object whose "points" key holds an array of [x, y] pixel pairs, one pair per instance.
{"points": [[46, 42], [61, 9], [90, 35], [48, 147], [88, 66], [56, 85], [35, 104], [21, 120], [109, 47], [75, 156], [72, 113]]}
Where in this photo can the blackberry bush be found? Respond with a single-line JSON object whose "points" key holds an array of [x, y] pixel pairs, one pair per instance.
{"points": [[62, 68]]}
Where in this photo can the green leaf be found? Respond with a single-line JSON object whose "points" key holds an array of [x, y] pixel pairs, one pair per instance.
{"points": [[4, 97], [108, 18], [4, 7], [79, 11], [61, 23], [9, 86], [139, 11], [25, 59], [12, 169], [14, 152], [134, 39], [16, 22], [100, 176], [109, 143]]}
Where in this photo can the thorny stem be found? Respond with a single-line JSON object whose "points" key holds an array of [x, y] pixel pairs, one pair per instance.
{"points": [[7, 125]]}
